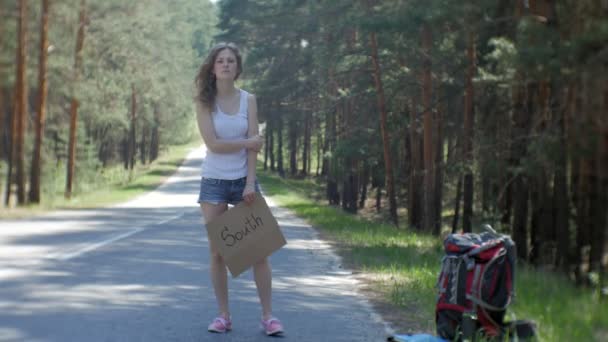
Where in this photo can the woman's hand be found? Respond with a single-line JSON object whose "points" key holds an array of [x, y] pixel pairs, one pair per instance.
{"points": [[249, 193], [255, 143]]}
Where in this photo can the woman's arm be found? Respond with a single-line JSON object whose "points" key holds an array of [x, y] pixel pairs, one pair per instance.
{"points": [[252, 117], [205, 127]]}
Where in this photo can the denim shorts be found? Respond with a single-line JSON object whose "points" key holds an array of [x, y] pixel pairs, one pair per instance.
{"points": [[216, 191]]}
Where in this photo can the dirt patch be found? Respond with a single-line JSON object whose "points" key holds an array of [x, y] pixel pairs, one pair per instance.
{"points": [[601, 335], [402, 318]]}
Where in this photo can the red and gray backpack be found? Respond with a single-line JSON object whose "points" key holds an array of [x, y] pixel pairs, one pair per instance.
{"points": [[476, 285]]}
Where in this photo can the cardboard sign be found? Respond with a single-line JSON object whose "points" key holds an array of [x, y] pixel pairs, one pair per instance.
{"points": [[245, 234]]}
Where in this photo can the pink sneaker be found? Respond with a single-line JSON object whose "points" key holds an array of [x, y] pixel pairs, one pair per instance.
{"points": [[272, 326], [220, 325]]}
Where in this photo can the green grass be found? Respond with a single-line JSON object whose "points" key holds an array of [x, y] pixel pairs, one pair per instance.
{"points": [[105, 186], [403, 266], [563, 311]]}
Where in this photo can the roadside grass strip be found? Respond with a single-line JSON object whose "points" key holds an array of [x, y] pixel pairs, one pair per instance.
{"points": [[403, 266]]}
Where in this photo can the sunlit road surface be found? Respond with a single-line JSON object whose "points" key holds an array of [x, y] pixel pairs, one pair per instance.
{"points": [[139, 272]]}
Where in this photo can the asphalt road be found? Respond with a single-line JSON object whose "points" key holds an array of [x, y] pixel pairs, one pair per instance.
{"points": [[139, 272]]}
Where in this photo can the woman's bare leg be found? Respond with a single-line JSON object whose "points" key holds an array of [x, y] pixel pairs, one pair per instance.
{"points": [[263, 281], [217, 267]]}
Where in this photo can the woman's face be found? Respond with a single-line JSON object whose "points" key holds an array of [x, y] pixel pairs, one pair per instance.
{"points": [[225, 67]]}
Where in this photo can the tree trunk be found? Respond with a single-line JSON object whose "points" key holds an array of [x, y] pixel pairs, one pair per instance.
{"points": [[3, 141], [540, 222], [124, 149], [575, 173], [390, 186], [522, 116], [415, 208], [603, 170], [14, 117], [155, 137], [346, 190], [520, 216], [267, 147], [439, 167], [562, 215], [491, 126], [343, 129], [469, 119], [506, 200], [352, 184], [271, 135], [486, 191], [364, 185], [143, 143], [348, 175], [429, 149], [560, 188], [543, 235], [153, 149], [378, 198], [293, 147], [11, 153], [320, 149], [132, 128], [333, 196], [279, 129], [407, 170], [74, 103], [583, 217], [599, 189], [306, 146], [21, 103], [34, 194], [457, 205], [309, 143], [326, 146], [598, 222]]}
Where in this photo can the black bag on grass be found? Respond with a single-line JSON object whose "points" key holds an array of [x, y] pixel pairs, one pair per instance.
{"points": [[476, 285]]}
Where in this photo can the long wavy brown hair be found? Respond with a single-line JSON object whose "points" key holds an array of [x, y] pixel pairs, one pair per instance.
{"points": [[206, 89]]}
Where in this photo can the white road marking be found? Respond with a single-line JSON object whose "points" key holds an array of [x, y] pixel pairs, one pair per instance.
{"points": [[63, 256]]}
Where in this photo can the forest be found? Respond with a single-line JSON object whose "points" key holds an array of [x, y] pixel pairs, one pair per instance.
{"points": [[86, 86], [437, 115], [442, 115]]}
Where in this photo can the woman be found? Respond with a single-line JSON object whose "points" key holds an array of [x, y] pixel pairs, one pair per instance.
{"points": [[227, 121]]}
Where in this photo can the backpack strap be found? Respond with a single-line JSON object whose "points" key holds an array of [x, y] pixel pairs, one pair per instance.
{"points": [[475, 295], [485, 247]]}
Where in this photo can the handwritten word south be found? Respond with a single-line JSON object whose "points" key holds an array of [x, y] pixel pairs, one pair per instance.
{"points": [[231, 239]]}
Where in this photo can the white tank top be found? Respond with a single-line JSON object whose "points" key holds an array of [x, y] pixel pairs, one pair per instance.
{"points": [[227, 127]]}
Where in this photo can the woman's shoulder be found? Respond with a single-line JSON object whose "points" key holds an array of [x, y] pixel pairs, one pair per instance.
{"points": [[251, 101], [201, 107], [249, 95]]}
